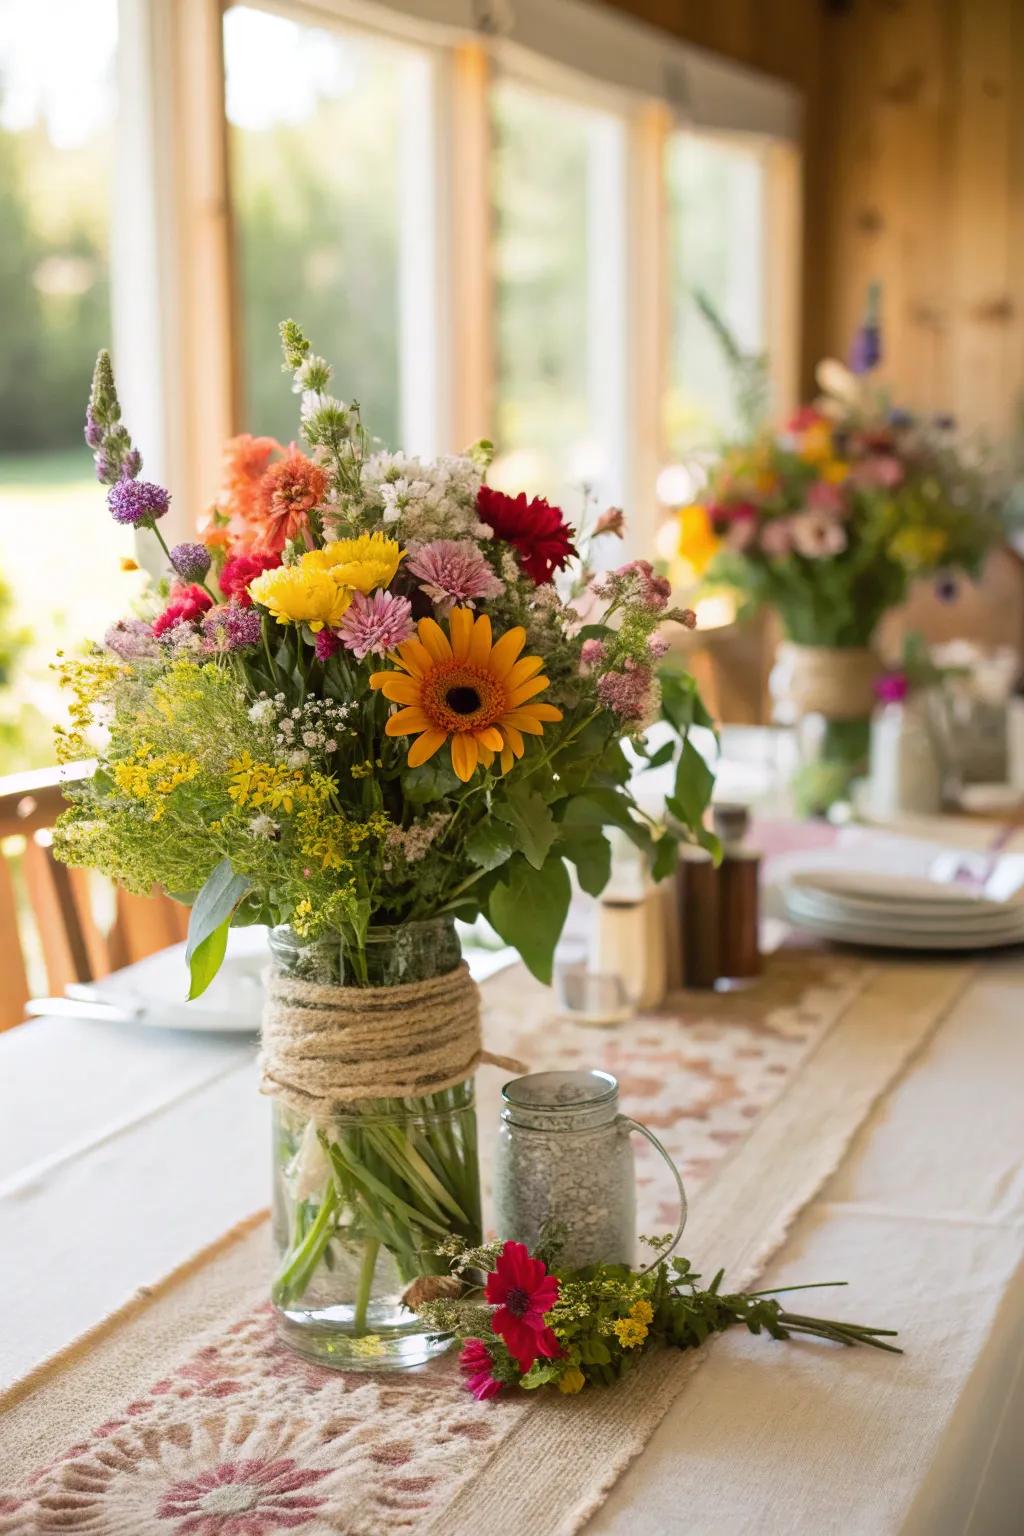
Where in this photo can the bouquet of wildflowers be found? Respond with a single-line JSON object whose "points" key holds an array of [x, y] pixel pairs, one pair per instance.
{"points": [[533, 1326], [364, 694], [829, 520], [372, 695]]}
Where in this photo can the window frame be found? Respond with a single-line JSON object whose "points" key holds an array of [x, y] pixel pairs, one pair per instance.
{"points": [[174, 294]]}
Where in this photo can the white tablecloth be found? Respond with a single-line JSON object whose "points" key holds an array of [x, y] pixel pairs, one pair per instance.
{"points": [[122, 1151]]}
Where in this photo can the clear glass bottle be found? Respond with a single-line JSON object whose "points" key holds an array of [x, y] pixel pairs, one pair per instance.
{"points": [[362, 1198], [565, 1161]]}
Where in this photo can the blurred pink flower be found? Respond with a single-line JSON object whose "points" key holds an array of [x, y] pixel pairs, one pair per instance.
{"points": [[817, 536], [824, 497], [776, 536], [882, 471]]}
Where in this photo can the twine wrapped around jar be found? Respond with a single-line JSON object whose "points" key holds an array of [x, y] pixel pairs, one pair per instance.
{"points": [[834, 681], [328, 1044]]}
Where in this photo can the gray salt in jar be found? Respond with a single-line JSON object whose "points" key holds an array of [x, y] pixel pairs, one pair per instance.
{"points": [[564, 1155]]}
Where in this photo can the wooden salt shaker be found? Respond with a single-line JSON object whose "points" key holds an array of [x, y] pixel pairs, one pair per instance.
{"points": [[739, 949], [697, 888]]}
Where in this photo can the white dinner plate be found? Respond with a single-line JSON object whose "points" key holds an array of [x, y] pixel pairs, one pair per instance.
{"points": [[899, 937], [889, 890], [937, 919]]}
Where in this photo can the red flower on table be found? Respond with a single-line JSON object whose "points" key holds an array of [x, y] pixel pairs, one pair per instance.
{"points": [[475, 1362], [537, 531], [240, 570], [522, 1291], [242, 1498]]}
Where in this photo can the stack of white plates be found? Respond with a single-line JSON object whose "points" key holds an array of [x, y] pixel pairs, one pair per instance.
{"points": [[860, 907]]}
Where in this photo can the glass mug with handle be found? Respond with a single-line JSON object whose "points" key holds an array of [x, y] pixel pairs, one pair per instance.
{"points": [[565, 1163]]}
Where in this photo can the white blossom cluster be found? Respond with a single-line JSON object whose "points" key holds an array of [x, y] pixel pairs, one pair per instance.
{"points": [[308, 730], [422, 501]]}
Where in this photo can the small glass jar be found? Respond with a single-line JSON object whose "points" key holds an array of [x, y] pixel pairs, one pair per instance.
{"points": [[363, 1194], [565, 1168]]}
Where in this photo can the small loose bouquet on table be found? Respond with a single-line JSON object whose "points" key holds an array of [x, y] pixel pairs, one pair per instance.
{"points": [[828, 522], [530, 1325], [355, 709]]}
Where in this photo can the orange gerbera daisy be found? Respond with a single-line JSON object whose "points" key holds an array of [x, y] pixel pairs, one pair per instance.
{"points": [[462, 687]]}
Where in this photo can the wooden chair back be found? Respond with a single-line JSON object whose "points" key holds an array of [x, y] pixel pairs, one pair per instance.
{"points": [[61, 925]]}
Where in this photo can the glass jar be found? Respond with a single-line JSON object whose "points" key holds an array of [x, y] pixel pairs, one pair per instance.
{"points": [[565, 1168], [363, 1195]]}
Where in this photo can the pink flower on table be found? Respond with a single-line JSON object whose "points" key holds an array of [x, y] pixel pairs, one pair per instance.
{"points": [[243, 1498], [453, 571], [374, 622], [892, 687], [475, 1362], [817, 536], [522, 1291]]}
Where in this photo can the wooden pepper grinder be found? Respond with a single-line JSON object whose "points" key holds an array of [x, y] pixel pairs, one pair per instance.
{"points": [[739, 906]]}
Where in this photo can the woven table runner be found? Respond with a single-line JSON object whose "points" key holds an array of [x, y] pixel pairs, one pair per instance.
{"points": [[182, 1413]]}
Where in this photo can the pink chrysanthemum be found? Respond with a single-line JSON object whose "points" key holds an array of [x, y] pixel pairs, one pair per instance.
{"points": [[376, 622], [453, 571]]}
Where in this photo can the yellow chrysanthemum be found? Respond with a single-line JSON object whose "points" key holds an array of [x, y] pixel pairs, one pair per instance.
{"points": [[572, 1380], [479, 696], [642, 1311], [630, 1332], [302, 594], [919, 548], [364, 563]]}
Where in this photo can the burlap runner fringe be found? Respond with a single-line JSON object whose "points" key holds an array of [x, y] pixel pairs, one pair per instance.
{"points": [[327, 1045]]}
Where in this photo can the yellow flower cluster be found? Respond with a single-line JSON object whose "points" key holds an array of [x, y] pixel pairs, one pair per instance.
{"points": [[632, 1330], [273, 785], [89, 681], [148, 774], [331, 840], [319, 587], [917, 547], [572, 1380]]}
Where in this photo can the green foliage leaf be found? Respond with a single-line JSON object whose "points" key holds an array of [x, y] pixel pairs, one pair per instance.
{"points": [[663, 755], [590, 851], [431, 781], [212, 911], [666, 857], [528, 910], [693, 786], [531, 822], [603, 807], [489, 845]]}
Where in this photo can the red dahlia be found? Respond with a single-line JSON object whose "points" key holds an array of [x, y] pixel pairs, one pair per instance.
{"points": [[240, 570], [537, 531]]}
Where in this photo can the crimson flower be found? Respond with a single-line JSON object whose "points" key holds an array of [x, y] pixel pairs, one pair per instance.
{"points": [[537, 531], [186, 604], [475, 1362], [240, 570], [522, 1291]]}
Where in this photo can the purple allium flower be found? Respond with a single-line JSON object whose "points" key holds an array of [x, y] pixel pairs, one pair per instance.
{"points": [[231, 628], [866, 351], [592, 653], [131, 639], [453, 571], [376, 623], [131, 463], [892, 687], [135, 502], [190, 561], [627, 693]]}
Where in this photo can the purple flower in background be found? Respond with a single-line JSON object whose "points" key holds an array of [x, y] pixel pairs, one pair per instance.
{"points": [[131, 463], [131, 639], [232, 628], [376, 622], [892, 687], [190, 561], [627, 693], [135, 502], [453, 571], [94, 432], [866, 351]]}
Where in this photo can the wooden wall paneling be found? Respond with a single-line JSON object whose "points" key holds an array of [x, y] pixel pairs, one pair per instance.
{"points": [[14, 990], [985, 340]]}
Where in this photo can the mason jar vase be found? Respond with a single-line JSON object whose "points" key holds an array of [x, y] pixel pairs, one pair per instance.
{"points": [[364, 1193]]}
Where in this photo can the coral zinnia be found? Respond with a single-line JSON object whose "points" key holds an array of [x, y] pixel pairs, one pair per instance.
{"points": [[537, 531], [480, 696], [288, 492], [522, 1291]]}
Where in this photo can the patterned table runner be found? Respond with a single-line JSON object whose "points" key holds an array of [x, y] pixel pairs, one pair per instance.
{"points": [[756, 1093]]}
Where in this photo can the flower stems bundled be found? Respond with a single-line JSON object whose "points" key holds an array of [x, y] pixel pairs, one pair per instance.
{"points": [[534, 1327]]}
